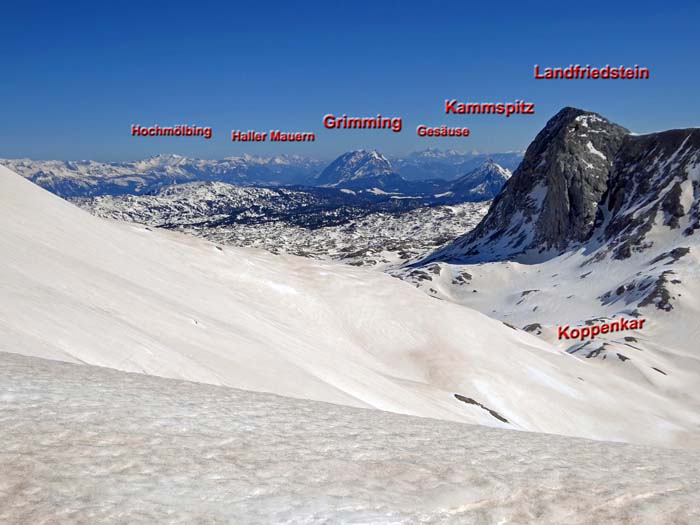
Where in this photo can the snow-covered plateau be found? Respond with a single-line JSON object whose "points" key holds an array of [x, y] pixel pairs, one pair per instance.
{"points": [[82, 289], [83, 444]]}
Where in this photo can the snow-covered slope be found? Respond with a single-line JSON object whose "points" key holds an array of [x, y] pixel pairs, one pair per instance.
{"points": [[82, 289], [570, 291], [83, 444]]}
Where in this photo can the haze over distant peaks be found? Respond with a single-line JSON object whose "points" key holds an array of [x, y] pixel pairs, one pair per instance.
{"points": [[88, 178]]}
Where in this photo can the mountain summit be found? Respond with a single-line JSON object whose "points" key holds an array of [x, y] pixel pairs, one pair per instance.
{"points": [[482, 183], [552, 199], [586, 182], [359, 169]]}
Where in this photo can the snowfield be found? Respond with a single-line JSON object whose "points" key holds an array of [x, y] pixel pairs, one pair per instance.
{"points": [[83, 444]]}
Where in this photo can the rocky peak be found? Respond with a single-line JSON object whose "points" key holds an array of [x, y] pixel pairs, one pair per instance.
{"points": [[551, 201], [354, 165], [481, 183]]}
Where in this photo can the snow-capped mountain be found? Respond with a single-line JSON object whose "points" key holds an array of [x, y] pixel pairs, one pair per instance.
{"points": [[585, 181], [653, 194], [360, 169], [90, 178], [483, 183], [370, 169], [434, 163], [82, 289]]}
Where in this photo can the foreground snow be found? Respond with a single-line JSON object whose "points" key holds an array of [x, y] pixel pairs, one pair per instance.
{"points": [[86, 444]]}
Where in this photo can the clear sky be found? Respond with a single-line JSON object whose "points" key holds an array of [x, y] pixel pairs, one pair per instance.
{"points": [[76, 75]]}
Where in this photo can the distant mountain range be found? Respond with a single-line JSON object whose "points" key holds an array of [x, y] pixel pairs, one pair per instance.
{"points": [[482, 183], [87, 178], [416, 173], [357, 184], [370, 169], [449, 164]]}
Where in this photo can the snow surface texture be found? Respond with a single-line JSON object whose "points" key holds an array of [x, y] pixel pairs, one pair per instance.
{"points": [[82, 289], [83, 444]]}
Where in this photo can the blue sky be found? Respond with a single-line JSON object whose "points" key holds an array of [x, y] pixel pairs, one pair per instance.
{"points": [[77, 75]]}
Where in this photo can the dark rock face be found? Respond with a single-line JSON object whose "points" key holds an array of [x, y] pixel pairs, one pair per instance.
{"points": [[587, 182], [660, 295], [646, 187], [551, 201], [470, 401]]}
